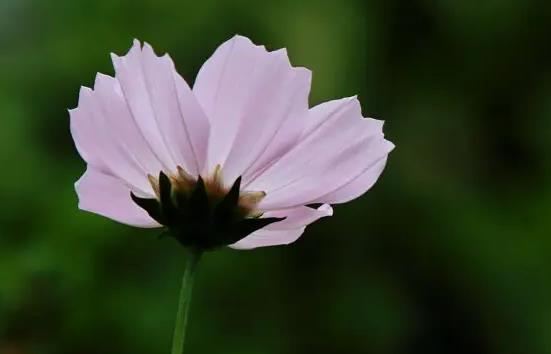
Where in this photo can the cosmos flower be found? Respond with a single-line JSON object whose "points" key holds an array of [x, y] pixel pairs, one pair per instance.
{"points": [[239, 159]]}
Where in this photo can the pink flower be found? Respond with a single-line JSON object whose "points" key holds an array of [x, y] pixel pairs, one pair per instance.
{"points": [[245, 124]]}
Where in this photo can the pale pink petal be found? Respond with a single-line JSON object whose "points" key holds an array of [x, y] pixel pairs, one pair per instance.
{"points": [[356, 187], [340, 169], [264, 238], [336, 151], [285, 231], [317, 115], [106, 136], [106, 195], [255, 101], [297, 217], [163, 107]]}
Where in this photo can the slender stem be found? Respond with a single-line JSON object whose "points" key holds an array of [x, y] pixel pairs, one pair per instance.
{"points": [[183, 303]]}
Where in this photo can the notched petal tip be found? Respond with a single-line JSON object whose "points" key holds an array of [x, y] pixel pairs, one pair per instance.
{"points": [[283, 55], [280, 52], [305, 73], [102, 79], [389, 146], [84, 91], [115, 59], [136, 47], [147, 49], [246, 41], [136, 43], [240, 37]]}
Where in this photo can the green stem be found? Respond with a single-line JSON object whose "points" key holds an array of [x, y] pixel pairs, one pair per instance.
{"points": [[183, 303]]}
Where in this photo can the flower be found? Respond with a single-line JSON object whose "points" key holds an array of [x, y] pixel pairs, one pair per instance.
{"points": [[239, 159]]}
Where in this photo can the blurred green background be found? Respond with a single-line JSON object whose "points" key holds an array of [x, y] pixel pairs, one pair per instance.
{"points": [[448, 253]]}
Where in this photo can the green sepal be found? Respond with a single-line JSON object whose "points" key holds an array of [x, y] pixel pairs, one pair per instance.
{"points": [[151, 206], [198, 205], [232, 198], [227, 208]]}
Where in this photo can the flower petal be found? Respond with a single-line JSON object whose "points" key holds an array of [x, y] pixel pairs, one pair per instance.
{"points": [[285, 231], [106, 195], [297, 217], [106, 136], [254, 100], [357, 186], [264, 238], [164, 108], [336, 150]]}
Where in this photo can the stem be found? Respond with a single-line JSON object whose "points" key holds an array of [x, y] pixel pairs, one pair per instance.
{"points": [[183, 303]]}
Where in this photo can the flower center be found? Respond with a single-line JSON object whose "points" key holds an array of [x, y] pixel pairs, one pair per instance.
{"points": [[184, 183], [203, 213]]}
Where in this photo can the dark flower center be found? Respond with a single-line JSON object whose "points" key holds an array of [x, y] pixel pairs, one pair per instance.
{"points": [[203, 214]]}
